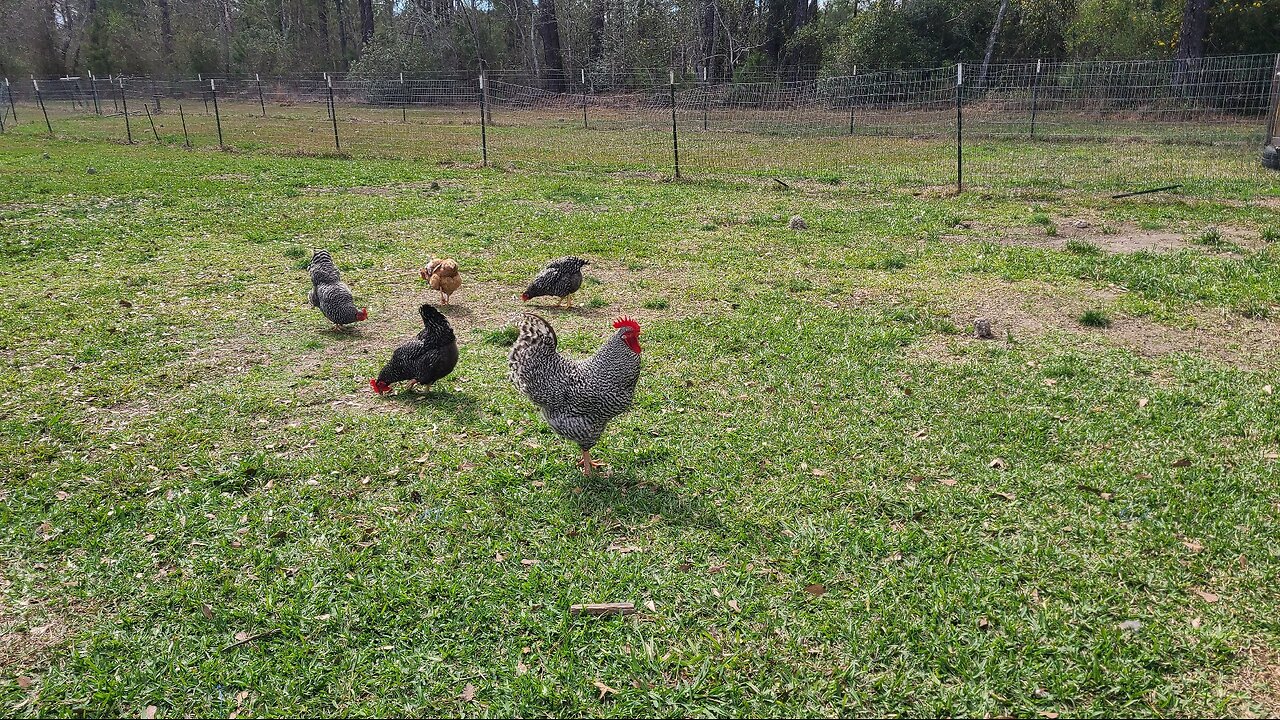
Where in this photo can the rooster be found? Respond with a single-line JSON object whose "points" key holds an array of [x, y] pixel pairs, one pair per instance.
{"points": [[578, 399], [443, 276], [330, 294], [560, 278], [425, 359]]}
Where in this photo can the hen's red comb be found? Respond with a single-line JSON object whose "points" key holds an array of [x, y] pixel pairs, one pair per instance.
{"points": [[625, 321]]}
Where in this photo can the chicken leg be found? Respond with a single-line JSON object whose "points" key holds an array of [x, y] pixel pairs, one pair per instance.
{"points": [[566, 301], [588, 464]]}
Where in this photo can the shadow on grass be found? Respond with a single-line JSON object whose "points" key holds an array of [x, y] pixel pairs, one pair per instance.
{"points": [[462, 405], [626, 492]]}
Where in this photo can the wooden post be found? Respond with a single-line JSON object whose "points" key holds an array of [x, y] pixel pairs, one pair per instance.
{"points": [[262, 103], [675, 139], [128, 129], [959, 130], [584, 99], [213, 90], [40, 100], [706, 104], [404, 101]]}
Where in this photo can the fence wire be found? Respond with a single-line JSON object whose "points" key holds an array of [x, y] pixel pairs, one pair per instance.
{"points": [[1020, 124]]}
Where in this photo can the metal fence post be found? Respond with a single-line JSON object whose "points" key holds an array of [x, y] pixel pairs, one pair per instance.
{"points": [[217, 116], [1035, 92], [40, 100], [13, 109], [849, 94], [333, 113], [147, 110], [127, 128], [675, 140], [584, 99], [261, 102], [706, 103], [93, 85], [404, 101], [959, 129], [185, 137], [484, 135], [1275, 104]]}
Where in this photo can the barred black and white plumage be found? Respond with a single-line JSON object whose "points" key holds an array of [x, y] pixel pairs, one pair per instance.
{"points": [[559, 278], [330, 294], [430, 356], [577, 398]]}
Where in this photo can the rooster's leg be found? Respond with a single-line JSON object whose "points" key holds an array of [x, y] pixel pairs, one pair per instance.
{"points": [[569, 300], [588, 464]]}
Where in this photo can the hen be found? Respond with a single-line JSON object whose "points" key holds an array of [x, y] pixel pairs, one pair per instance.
{"points": [[560, 278], [578, 399], [330, 294], [443, 276], [425, 359]]}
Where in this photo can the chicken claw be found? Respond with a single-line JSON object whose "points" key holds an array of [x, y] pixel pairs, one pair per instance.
{"points": [[589, 464]]}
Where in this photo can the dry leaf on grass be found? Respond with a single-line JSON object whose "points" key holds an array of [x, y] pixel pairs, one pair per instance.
{"points": [[148, 713], [25, 682], [819, 473], [997, 464], [1206, 595], [605, 690], [652, 607], [499, 557], [1196, 623], [1193, 545], [984, 624], [468, 693], [1184, 462], [622, 549], [521, 668], [530, 562], [1009, 497], [733, 605], [207, 611], [1142, 402], [949, 482], [816, 589]]}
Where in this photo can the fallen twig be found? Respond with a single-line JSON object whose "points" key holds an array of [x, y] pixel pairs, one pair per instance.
{"points": [[250, 639], [1145, 192]]}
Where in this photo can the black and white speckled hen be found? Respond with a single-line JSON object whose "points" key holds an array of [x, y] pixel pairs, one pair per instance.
{"points": [[578, 399], [330, 294], [425, 359], [560, 278]]}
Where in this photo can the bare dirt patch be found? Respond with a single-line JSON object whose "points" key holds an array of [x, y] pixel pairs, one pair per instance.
{"points": [[1035, 309], [1112, 237], [29, 633], [1257, 680]]}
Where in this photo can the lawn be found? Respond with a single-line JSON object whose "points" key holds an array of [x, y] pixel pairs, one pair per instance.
{"points": [[828, 499]]}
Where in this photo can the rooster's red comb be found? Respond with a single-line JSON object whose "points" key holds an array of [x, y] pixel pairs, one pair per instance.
{"points": [[625, 321]]}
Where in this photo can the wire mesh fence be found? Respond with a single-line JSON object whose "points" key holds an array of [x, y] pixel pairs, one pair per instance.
{"points": [[1034, 123]]}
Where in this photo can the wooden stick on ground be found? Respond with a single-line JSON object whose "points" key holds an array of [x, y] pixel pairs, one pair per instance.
{"points": [[602, 609]]}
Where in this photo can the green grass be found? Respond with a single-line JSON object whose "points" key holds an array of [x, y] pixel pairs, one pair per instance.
{"points": [[190, 454], [1095, 318]]}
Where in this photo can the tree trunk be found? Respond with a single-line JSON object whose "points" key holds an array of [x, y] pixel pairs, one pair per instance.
{"points": [[322, 19], [342, 34], [596, 49], [166, 30], [366, 22], [1195, 25], [549, 30], [710, 41], [991, 42]]}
